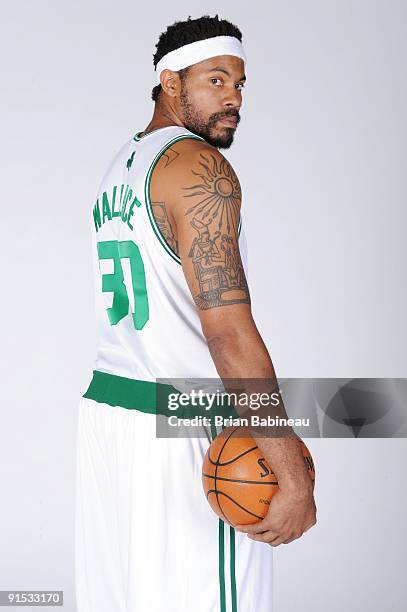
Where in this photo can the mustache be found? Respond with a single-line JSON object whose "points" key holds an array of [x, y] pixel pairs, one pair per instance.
{"points": [[217, 116]]}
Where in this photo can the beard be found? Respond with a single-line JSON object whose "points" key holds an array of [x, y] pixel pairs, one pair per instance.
{"points": [[195, 122]]}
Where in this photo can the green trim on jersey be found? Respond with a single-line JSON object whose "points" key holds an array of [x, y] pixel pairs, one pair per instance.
{"points": [[136, 136], [153, 222]]}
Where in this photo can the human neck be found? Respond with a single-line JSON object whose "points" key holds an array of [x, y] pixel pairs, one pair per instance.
{"points": [[163, 116]]}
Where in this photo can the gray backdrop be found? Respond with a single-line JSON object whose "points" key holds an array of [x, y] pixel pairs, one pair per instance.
{"points": [[320, 154]]}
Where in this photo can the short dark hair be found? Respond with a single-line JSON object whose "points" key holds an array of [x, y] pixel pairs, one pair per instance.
{"points": [[182, 33]]}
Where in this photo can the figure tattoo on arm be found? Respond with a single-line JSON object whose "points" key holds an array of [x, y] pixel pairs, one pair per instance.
{"points": [[159, 208], [164, 225], [214, 251]]}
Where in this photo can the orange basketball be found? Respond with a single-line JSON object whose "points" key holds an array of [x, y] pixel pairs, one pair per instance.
{"points": [[237, 480]]}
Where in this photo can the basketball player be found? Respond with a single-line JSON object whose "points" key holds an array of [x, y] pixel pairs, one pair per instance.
{"points": [[172, 302]]}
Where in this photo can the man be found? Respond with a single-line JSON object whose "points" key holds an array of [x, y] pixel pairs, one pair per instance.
{"points": [[173, 302]]}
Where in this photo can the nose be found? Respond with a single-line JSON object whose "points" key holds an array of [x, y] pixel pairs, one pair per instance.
{"points": [[232, 99]]}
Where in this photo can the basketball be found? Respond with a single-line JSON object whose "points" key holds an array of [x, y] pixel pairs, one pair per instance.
{"points": [[237, 480]]}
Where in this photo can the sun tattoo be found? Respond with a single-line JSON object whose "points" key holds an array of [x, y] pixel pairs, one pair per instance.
{"points": [[219, 187], [214, 250]]}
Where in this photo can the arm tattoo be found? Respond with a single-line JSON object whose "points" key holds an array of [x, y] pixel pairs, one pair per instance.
{"points": [[159, 209], [214, 251], [169, 156], [164, 225]]}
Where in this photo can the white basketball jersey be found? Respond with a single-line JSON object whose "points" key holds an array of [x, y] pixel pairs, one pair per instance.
{"points": [[148, 325]]}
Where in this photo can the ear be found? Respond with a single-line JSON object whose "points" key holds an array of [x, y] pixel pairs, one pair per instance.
{"points": [[170, 83]]}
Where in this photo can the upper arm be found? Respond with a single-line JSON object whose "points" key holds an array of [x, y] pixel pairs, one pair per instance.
{"points": [[203, 200]]}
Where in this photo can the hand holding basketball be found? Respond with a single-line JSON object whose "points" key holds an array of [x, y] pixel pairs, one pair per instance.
{"points": [[242, 489], [289, 516]]}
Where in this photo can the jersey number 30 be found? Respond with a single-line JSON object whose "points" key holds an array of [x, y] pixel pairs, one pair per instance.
{"points": [[117, 251]]}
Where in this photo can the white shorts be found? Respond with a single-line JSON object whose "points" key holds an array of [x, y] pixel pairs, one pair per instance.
{"points": [[146, 538]]}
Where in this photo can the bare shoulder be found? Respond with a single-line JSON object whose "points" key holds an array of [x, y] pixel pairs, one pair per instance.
{"points": [[191, 168]]}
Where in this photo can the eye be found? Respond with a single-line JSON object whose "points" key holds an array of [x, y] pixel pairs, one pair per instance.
{"points": [[239, 86], [216, 81]]}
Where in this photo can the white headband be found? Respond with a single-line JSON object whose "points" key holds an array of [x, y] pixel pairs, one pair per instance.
{"points": [[198, 52]]}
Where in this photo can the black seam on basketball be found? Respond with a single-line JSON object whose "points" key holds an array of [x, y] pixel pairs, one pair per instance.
{"points": [[234, 458], [217, 501], [210, 491], [243, 481], [216, 470], [223, 511], [209, 450], [237, 504]]}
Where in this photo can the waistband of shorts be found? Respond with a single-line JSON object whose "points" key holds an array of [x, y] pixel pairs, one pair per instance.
{"points": [[145, 396], [128, 393]]}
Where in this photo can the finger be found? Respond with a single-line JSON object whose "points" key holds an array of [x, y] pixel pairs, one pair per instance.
{"points": [[309, 526], [266, 536], [271, 538], [291, 539], [298, 536], [277, 542], [253, 528]]}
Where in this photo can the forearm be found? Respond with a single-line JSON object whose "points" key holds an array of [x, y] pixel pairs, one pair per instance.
{"points": [[239, 352], [243, 357]]}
